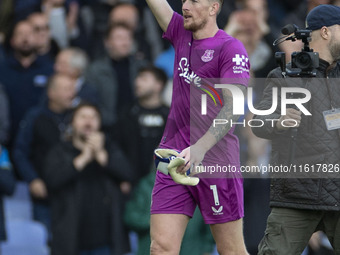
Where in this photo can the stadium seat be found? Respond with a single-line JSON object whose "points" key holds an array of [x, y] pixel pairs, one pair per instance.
{"points": [[25, 237], [17, 209], [19, 205]]}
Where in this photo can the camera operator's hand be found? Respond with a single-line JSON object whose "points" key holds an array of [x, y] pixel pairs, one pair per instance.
{"points": [[291, 119], [315, 241]]}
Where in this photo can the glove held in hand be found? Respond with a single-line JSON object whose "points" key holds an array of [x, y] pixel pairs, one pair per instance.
{"points": [[167, 161]]}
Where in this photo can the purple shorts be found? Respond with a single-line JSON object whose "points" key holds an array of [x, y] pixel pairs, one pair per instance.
{"points": [[220, 199]]}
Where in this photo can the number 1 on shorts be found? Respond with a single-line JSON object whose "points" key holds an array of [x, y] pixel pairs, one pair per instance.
{"points": [[214, 189]]}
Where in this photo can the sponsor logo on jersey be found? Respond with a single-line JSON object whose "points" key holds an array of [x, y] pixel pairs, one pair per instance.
{"points": [[185, 72], [151, 120], [190, 76], [241, 64]]}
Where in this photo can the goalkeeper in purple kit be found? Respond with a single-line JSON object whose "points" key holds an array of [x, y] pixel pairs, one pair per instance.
{"points": [[203, 52]]}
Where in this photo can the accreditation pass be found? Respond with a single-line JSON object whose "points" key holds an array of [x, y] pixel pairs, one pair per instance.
{"points": [[332, 119]]}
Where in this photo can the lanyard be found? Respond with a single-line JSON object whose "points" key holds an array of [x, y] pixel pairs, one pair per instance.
{"points": [[329, 93]]}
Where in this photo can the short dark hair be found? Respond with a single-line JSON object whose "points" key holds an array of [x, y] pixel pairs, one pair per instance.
{"points": [[158, 73], [116, 25], [85, 104]]}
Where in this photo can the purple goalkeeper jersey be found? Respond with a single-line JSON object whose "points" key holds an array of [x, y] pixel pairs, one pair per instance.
{"points": [[218, 58]]}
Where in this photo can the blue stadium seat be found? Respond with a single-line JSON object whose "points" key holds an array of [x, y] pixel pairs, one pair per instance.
{"points": [[16, 209], [19, 205], [14, 250], [21, 191], [25, 237]]}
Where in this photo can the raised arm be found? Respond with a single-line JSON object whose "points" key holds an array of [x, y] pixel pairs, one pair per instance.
{"points": [[162, 12]]}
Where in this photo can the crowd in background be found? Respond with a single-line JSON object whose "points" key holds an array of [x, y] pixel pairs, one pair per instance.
{"points": [[91, 170]]}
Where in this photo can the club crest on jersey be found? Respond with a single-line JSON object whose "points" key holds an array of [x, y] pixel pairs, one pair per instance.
{"points": [[208, 55]]}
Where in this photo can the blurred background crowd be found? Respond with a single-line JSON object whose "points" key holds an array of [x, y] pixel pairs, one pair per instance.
{"points": [[85, 88]]}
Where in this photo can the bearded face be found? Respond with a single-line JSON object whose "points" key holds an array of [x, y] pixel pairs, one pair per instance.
{"points": [[334, 48], [23, 40], [193, 24], [195, 14]]}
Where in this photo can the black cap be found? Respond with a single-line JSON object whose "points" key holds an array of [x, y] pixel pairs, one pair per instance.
{"points": [[323, 15]]}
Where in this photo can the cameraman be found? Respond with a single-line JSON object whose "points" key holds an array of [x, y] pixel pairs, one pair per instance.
{"points": [[303, 206]]}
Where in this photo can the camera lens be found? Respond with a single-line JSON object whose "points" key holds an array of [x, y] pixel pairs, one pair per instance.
{"points": [[303, 60]]}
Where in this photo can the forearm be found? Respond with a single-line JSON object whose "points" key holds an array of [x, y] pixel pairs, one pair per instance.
{"points": [[218, 130], [162, 12], [7, 182], [64, 173], [58, 169], [24, 166]]}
